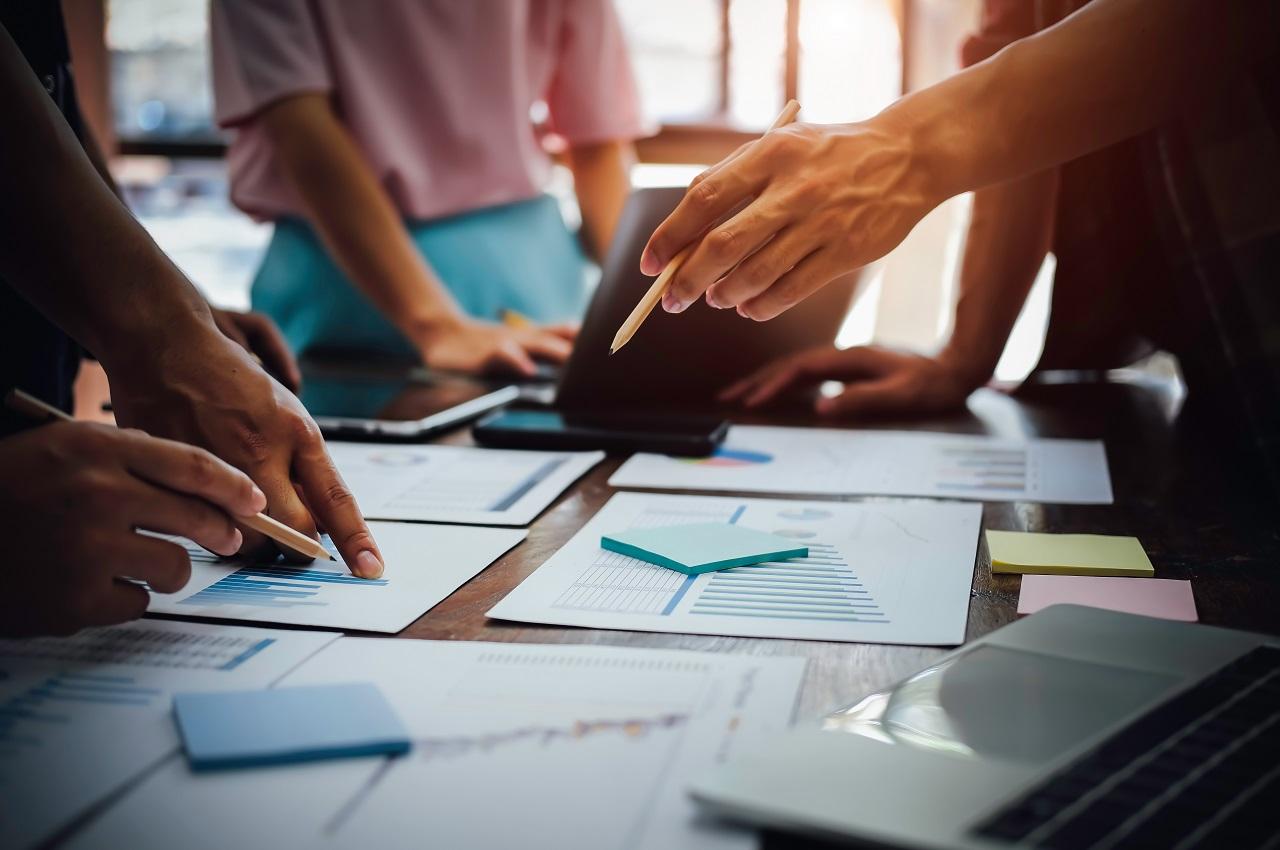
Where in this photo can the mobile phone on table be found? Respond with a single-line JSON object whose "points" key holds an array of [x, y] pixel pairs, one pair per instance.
{"points": [[517, 428]]}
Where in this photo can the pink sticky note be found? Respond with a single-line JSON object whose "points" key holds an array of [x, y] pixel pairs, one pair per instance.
{"points": [[1151, 597]]}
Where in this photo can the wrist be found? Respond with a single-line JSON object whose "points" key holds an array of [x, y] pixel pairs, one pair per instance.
{"points": [[940, 137], [972, 366], [425, 329]]}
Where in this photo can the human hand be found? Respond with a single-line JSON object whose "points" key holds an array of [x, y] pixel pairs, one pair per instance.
{"points": [[72, 495], [257, 334], [202, 389], [877, 381], [805, 204], [467, 345]]}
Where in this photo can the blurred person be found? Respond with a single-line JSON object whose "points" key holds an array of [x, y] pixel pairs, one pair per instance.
{"points": [[222, 439], [392, 145]]}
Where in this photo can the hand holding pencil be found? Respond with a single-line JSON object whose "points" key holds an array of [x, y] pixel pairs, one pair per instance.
{"points": [[662, 285], [191, 470]]}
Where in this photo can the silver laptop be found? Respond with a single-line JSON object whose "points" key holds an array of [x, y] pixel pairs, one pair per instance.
{"points": [[1073, 728]]}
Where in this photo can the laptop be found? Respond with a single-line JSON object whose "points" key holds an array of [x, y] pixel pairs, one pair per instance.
{"points": [[1072, 728], [678, 361]]}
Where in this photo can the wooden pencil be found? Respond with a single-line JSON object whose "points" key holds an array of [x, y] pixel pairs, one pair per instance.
{"points": [[28, 405], [663, 281]]}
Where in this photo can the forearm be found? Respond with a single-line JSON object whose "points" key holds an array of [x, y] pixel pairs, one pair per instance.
{"points": [[70, 247], [1112, 70], [354, 216], [602, 182], [1010, 232]]}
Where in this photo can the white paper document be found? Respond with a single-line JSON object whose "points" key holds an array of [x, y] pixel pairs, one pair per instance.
{"points": [[876, 572], [424, 564], [81, 716], [571, 747], [472, 486], [821, 461]]}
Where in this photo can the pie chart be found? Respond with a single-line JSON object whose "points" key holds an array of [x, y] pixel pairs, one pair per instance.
{"points": [[731, 457]]}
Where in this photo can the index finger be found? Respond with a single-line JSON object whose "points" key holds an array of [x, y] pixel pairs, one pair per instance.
{"points": [[705, 203], [334, 505]]}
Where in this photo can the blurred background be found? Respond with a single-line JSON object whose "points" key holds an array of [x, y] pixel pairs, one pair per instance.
{"points": [[712, 74]]}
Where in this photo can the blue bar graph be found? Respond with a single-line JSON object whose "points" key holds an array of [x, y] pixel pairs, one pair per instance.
{"points": [[819, 587], [52, 703], [274, 587]]}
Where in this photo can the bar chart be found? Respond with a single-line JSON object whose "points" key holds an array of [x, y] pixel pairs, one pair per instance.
{"points": [[876, 572], [819, 587], [276, 587]]}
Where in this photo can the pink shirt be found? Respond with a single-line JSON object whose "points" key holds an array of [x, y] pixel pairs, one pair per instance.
{"points": [[437, 93]]}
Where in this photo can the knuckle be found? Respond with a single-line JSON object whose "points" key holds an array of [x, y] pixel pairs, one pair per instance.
{"points": [[722, 243], [202, 469], [338, 496], [704, 194]]}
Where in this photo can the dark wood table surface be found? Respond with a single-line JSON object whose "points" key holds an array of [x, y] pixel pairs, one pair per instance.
{"points": [[1181, 490]]}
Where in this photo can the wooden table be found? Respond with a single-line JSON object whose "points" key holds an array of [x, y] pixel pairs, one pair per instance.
{"points": [[1192, 497], [1176, 491]]}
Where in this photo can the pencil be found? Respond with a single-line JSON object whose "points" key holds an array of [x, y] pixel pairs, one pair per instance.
{"points": [[515, 319], [28, 405], [663, 281]]}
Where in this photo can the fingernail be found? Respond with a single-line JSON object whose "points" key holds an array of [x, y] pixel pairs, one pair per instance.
{"points": [[713, 302], [259, 498], [649, 263], [368, 565], [237, 540], [672, 304]]}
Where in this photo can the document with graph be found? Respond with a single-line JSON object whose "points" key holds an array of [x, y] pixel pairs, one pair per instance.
{"points": [[877, 572], [571, 747], [459, 484], [83, 715], [825, 461], [424, 564]]}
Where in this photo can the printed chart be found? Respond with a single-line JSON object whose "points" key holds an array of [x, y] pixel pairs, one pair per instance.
{"points": [[470, 486], [823, 461], [80, 716], [884, 573], [517, 730], [424, 564]]}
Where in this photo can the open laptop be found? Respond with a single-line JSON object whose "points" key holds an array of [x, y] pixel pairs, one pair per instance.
{"points": [[678, 361], [1073, 728]]}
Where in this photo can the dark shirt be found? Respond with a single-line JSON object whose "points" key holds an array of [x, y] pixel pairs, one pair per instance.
{"points": [[1171, 240], [35, 355]]}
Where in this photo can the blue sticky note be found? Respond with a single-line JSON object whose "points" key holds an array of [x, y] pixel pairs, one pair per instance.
{"points": [[233, 729], [704, 547]]}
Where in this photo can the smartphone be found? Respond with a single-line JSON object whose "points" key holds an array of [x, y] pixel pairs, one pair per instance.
{"points": [[549, 429]]}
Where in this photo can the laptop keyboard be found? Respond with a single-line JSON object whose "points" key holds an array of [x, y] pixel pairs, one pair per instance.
{"points": [[1201, 770]]}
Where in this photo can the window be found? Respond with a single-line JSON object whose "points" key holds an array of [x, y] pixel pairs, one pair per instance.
{"points": [[715, 64]]}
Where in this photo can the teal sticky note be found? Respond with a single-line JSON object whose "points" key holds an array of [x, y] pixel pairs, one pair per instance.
{"points": [[704, 547], [232, 729]]}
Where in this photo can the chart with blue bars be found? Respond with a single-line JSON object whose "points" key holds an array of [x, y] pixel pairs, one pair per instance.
{"points": [[273, 585], [47, 707], [821, 587], [140, 645]]}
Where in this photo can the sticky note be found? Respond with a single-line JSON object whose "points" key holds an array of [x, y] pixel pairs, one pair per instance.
{"points": [[1150, 597], [1067, 554], [703, 547], [232, 729]]}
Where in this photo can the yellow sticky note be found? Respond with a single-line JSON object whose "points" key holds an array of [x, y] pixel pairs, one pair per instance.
{"points": [[1067, 554]]}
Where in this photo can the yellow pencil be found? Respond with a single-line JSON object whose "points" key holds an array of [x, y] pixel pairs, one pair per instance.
{"points": [[663, 282], [28, 405]]}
